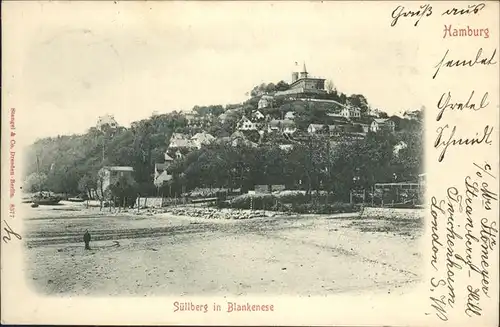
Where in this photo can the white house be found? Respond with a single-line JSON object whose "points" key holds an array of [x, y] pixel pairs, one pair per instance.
{"points": [[258, 115], [201, 139], [398, 147], [246, 124], [238, 138], [179, 140], [161, 174], [315, 128], [290, 115], [350, 112], [111, 174], [265, 101], [286, 147], [286, 126], [382, 124]]}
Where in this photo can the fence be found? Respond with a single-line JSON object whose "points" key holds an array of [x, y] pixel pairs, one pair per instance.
{"points": [[390, 195]]}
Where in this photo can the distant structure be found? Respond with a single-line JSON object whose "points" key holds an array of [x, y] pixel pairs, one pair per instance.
{"points": [[286, 126], [246, 124], [202, 139], [265, 101], [161, 173], [382, 124], [302, 85], [106, 120], [109, 175]]}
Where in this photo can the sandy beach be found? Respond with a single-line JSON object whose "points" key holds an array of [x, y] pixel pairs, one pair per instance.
{"points": [[144, 254]]}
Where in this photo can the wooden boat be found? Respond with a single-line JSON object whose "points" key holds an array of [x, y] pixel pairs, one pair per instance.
{"points": [[46, 199], [75, 200]]}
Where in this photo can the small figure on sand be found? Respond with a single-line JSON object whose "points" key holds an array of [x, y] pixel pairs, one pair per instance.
{"points": [[86, 239]]}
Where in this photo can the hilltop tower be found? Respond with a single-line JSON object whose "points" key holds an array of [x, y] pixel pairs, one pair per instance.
{"points": [[303, 85], [304, 73]]}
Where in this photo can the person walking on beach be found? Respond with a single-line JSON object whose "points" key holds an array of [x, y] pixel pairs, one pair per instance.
{"points": [[86, 239]]}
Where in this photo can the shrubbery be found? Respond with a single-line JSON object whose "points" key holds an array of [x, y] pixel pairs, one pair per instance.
{"points": [[293, 201], [325, 208], [254, 201]]}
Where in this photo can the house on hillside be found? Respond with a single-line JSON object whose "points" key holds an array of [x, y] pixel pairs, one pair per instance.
{"points": [[257, 115], [180, 144], [202, 139], [109, 175], [362, 127], [230, 114], [190, 117], [339, 120], [238, 138], [265, 102], [180, 140], [168, 159], [286, 126], [161, 174], [363, 123], [398, 147], [350, 112], [246, 124], [196, 120], [286, 147], [413, 115], [315, 128], [223, 117], [379, 124], [106, 121], [290, 115]]}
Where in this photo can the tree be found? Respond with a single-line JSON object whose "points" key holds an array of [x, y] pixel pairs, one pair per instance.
{"points": [[270, 88], [86, 184], [124, 191], [282, 86], [359, 101], [330, 87], [35, 182]]}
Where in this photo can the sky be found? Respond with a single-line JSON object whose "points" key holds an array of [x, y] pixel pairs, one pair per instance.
{"points": [[134, 58]]}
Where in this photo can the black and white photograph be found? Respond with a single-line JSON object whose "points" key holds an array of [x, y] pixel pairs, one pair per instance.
{"points": [[235, 151]]}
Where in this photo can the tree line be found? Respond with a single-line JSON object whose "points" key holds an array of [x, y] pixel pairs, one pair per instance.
{"points": [[70, 164]]}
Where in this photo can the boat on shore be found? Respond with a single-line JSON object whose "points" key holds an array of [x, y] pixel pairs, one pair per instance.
{"points": [[75, 200], [46, 199]]}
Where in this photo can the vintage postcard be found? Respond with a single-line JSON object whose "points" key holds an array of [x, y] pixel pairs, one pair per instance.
{"points": [[250, 163]]}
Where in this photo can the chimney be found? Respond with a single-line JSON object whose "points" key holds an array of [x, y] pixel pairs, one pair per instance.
{"points": [[295, 76]]}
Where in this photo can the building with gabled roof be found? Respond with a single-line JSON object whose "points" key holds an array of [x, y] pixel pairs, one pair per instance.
{"points": [[382, 124], [246, 124], [286, 126]]}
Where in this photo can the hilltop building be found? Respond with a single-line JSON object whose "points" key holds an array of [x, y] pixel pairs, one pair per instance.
{"points": [[106, 120], [303, 85]]}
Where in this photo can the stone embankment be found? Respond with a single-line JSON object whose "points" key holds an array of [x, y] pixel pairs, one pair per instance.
{"points": [[211, 213], [392, 213]]}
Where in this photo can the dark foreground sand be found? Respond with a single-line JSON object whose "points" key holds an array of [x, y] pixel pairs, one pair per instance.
{"points": [[145, 255]]}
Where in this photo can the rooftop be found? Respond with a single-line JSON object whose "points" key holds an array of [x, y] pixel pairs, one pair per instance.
{"points": [[119, 168]]}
